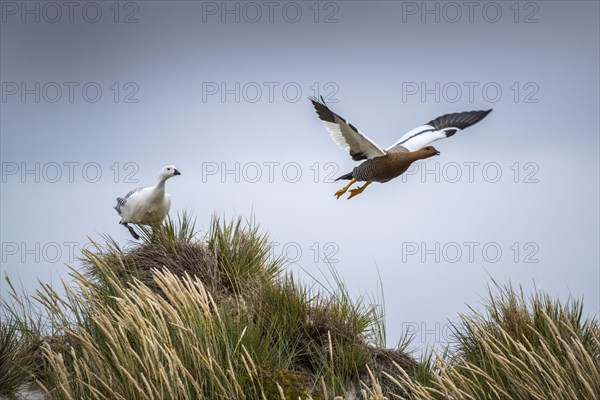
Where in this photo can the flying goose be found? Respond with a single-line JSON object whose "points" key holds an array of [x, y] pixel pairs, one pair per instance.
{"points": [[385, 165], [146, 205]]}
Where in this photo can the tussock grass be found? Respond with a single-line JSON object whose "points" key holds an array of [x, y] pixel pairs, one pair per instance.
{"points": [[183, 317], [243, 255], [177, 317], [15, 357], [516, 349], [20, 337]]}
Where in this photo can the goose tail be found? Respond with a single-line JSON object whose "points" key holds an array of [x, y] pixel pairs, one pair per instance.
{"points": [[347, 177]]}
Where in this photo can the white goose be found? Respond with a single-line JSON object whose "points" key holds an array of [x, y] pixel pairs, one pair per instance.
{"points": [[146, 205]]}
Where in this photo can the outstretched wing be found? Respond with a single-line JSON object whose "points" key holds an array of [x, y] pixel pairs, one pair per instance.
{"points": [[345, 134], [440, 128]]}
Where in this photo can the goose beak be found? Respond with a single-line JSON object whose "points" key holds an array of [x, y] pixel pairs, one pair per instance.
{"points": [[437, 153], [176, 172]]}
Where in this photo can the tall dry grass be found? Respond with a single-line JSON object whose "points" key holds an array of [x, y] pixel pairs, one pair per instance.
{"points": [[516, 348], [178, 318], [183, 317]]}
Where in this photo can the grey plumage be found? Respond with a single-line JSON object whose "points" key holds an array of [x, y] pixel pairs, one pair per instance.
{"points": [[383, 169], [122, 200], [366, 171]]}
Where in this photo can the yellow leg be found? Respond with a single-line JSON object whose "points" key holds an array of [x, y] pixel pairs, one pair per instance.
{"points": [[358, 190], [344, 189]]}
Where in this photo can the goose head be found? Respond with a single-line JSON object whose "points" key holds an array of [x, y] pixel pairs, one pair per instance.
{"points": [[168, 172], [428, 151]]}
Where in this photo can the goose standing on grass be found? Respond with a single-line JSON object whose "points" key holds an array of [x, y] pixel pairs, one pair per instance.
{"points": [[385, 165], [146, 205]]}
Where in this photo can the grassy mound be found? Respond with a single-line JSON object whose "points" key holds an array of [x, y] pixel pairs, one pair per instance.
{"points": [[176, 317], [15, 357], [516, 348]]}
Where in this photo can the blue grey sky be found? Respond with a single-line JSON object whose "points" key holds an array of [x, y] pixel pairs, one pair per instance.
{"points": [[96, 99]]}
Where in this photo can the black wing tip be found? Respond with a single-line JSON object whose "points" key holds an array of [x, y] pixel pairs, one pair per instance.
{"points": [[477, 112], [459, 120], [320, 100], [482, 114], [324, 113], [478, 115]]}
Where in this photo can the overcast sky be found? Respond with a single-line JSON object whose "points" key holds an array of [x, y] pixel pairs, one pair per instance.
{"points": [[96, 99]]}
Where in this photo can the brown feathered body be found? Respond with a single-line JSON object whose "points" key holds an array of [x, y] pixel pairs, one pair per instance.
{"points": [[388, 167]]}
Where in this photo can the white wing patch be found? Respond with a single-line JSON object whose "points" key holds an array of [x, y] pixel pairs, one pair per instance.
{"points": [[439, 128], [347, 138], [419, 137]]}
